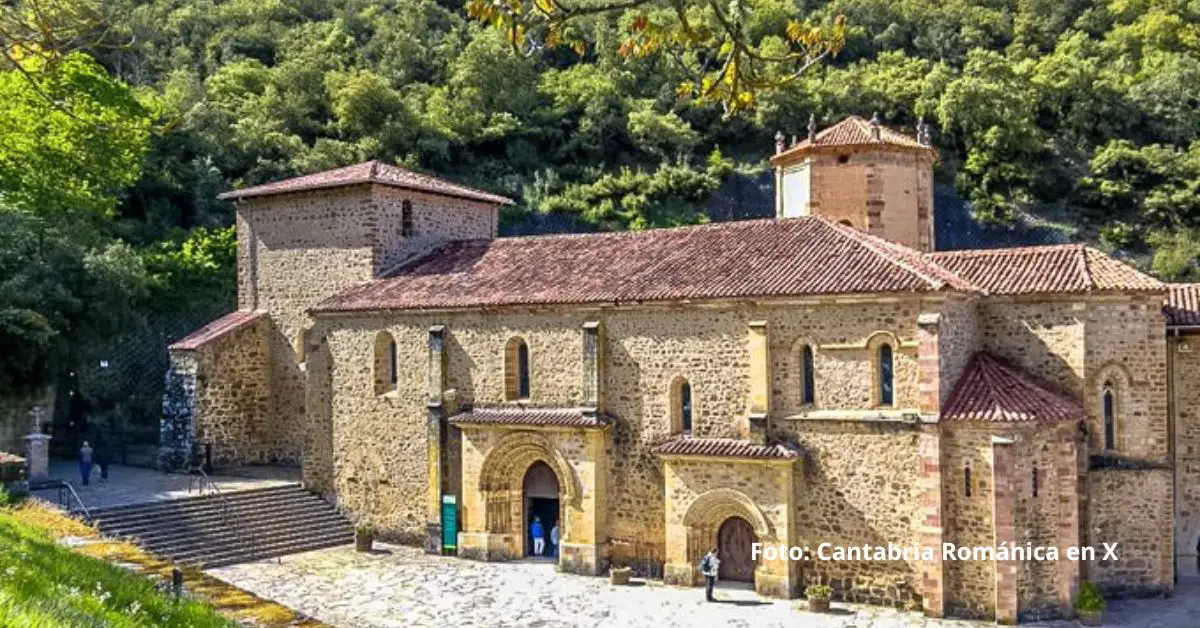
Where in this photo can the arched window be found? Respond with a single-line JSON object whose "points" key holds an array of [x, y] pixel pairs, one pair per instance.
{"points": [[887, 395], [808, 380], [516, 370], [681, 406], [406, 219], [387, 371], [1110, 411], [967, 478]]}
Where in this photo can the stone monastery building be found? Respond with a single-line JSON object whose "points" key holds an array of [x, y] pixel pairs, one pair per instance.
{"points": [[827, 376]]}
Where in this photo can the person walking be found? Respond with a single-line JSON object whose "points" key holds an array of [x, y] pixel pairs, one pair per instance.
{"points": [[539, 536], [710, 566], [102, 458], [85, 462], [554, 539]]}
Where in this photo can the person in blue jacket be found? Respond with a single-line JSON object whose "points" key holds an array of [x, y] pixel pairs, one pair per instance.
{"points": [[539, 536]]}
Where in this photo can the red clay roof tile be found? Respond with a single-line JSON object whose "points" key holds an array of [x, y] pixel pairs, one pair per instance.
{"points": [[368, 172], [1067, 268], [519, 415], [991, 389], [852, 131], [1183, 305], [724, 448], [229, 323], [756, 258]]}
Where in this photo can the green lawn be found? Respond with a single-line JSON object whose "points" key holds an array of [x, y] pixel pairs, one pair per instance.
{"points": [[43, 585]]}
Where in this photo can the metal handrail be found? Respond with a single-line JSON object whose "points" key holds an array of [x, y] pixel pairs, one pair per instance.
{"points": [[202, 478], [87, 514]]}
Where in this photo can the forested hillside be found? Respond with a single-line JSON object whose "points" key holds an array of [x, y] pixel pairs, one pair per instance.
{"points": [[118, 130]]}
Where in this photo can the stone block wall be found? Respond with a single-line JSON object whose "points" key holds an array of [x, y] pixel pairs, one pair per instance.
{"points": [[844, 501], [1185, 355], [1132, 508], [1043, 337], [221, 394], [376, 443]]}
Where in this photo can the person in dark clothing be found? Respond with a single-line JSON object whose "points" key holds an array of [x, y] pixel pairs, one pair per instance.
{"points": [[710, 566], [102, 455]]}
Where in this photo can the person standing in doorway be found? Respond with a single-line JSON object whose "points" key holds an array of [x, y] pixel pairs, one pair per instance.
{"points": [[85, 462], [554, 539], [710, 566], [539, 536]]}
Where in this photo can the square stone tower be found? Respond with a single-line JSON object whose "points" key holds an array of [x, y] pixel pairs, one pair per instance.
{"points": [[862, 174]]}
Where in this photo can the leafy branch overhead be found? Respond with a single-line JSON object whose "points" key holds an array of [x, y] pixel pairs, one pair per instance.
{"points": [[717, 45]]}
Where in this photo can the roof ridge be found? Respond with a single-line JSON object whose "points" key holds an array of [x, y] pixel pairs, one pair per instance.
{"points": [[1004, 250], [1085, 268], [880, 245]]}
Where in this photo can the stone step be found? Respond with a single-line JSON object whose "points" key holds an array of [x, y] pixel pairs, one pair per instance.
{"points": [[217, 525], [222, 560], [266, 531], [197, 502], [298, 505], [246, 547]]}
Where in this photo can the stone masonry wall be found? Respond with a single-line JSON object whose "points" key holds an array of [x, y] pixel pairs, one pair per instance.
{"points": [[377, 442], [842, 501], [1132, 508], [231, 405], [1185, 352]]}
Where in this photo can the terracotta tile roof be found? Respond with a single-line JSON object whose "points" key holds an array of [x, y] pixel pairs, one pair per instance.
{"points": [[724, 448], [757, 258], [1069, 268], [1183, 305], [852, 131], [368, 172], [519, 415], [231, 322], [991, 389]]}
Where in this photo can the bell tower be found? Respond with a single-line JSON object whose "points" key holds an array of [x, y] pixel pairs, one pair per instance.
{"points": [[861, 173]]}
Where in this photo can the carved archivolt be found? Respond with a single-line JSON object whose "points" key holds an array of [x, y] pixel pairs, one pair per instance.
{"points": [[505, 465], [711, 509]]}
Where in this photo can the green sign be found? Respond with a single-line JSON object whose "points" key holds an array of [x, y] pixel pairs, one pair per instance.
{"points": [[449, 523]]}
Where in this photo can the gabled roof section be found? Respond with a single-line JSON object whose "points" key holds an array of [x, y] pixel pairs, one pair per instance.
{"points": [[991, 389], [1067, 268], [852, 131], [520, 415], [227, 324], [1183, 305], [749, 259], [375, 172], [724, 448]]}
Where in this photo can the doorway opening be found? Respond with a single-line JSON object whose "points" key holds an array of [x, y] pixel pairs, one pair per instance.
{"points": [[734, 541], [540, 490]]}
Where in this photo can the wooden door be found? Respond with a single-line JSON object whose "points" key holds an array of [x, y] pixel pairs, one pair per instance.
{"points": [[733, 542]]}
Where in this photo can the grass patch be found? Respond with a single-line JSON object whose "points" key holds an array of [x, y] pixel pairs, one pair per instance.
{"points": [[33, 528]]}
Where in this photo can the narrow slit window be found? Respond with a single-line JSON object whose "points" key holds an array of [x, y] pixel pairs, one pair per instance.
{"points": [[886, 392], [685, 407], [1109, 419], [523, 371], [393, 364], [967, 479], [1035, 481], [808, 394]]}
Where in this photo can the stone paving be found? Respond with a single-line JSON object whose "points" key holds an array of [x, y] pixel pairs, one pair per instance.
{"points": [[138, 485], [401, 586]]}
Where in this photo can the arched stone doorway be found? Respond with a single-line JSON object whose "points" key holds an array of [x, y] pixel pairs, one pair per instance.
{"points": [[735, 539], [540, 492]]}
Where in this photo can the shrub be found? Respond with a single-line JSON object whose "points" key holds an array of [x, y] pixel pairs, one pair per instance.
{"points": [[1090, 599], [12, 469], [818, 592], [364, 530]]}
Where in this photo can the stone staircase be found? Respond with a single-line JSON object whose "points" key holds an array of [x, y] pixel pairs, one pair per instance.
{"points": [[237, 527]]}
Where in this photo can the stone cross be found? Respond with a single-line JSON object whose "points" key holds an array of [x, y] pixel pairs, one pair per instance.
{"points": [[37, 448]]}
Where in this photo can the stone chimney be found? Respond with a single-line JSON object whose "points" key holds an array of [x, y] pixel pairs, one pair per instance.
{"points": [[812, 128], [876, 132]]}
